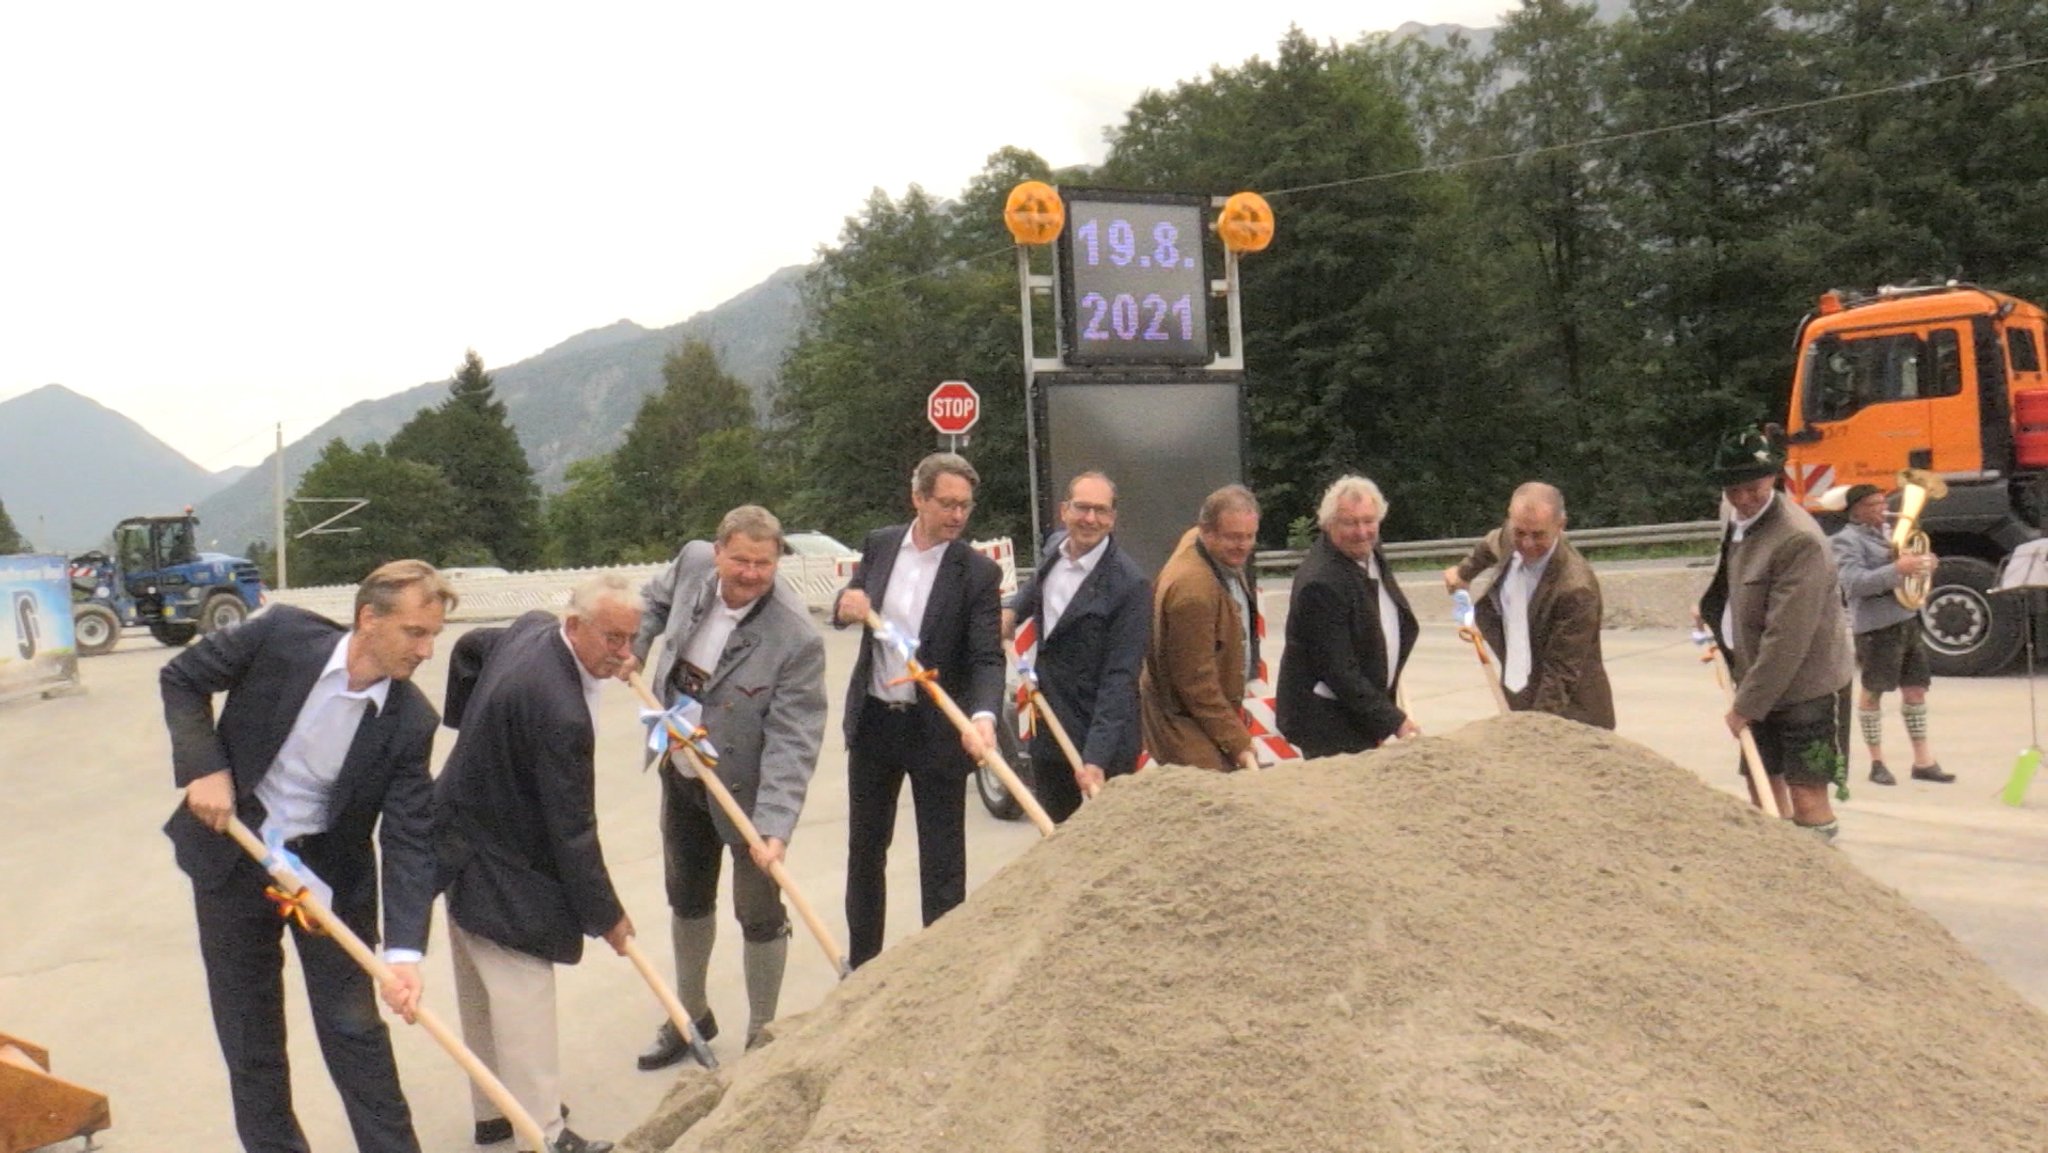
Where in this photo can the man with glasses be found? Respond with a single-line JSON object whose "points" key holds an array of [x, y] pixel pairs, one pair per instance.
{"points": [[515, 824], [1349, 632], [932, 589], [1090, 606], [1540, 611], [1205, 641], [740, 643]]}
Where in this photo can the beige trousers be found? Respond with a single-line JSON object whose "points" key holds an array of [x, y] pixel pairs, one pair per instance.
{"points": [[507, 1002]]}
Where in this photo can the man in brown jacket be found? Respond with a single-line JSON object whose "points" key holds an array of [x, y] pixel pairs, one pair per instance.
{"points": [[1540, 611], [1775, 609], [1204, 641]]}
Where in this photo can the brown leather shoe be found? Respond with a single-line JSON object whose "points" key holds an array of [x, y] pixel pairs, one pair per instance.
{"points": [[1933, 773]]}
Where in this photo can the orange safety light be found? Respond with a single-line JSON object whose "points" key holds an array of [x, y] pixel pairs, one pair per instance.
{"points": [[1246, 223], [1034, 213], [1830, 302]]}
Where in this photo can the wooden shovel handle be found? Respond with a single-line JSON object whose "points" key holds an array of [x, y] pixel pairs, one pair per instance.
{"points": [[1752, 757], [1059, 735], [522, 1121], [991, 756], [738, 816]]}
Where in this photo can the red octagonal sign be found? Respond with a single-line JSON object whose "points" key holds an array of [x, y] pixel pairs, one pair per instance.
{"points": [[953, 407]]}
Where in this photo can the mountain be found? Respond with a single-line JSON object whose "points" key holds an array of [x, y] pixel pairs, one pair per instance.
{"points": [[70, 467], [572, 401]]}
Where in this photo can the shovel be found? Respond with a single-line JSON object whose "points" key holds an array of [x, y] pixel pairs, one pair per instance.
{"points": [[1752, 759], [303, 899], [1043, 708], [687, 742], [1468, 631]]}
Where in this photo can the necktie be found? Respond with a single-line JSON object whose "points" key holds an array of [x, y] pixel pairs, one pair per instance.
{"points": [[1514, 598]]}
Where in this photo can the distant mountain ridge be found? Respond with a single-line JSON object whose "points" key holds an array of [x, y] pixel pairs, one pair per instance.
{"points": [[571, 401], [70, 467]]}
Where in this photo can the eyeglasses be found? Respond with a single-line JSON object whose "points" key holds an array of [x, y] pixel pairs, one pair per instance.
{"points": [[1094, 510], [955, 505]]}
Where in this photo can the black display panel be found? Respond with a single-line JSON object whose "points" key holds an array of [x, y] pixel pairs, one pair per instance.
{"points": [[1133, 287], [1166, 443]]}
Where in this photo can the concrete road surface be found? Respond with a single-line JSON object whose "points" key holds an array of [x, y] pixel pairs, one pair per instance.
{"points": [[97, 948]]}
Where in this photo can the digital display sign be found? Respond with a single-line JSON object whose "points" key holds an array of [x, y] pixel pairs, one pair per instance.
{"points": [[1133, 287], [1167, 442]]}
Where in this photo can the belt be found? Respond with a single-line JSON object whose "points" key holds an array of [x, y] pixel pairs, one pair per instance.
{"points": [[892, 706]]}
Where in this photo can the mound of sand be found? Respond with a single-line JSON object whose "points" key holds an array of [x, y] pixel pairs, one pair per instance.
{"points": [[1527, 935]]}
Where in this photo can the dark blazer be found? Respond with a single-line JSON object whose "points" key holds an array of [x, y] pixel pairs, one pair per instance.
{"points": [[1567, 675], [266, 667], [1088, 666], [962, 635], [1333, 636], [515, 817]]}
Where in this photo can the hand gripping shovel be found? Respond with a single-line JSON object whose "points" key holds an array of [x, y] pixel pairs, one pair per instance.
{"points": [[1752, 760], [1043, 708], [1468, 631], [302, 900], [990, 756], [672, 729]]}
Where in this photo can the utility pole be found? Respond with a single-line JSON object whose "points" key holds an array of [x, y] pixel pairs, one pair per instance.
{"points": [[283, 582]]}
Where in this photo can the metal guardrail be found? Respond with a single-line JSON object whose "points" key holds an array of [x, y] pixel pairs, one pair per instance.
{"points": [[1683, 532]]}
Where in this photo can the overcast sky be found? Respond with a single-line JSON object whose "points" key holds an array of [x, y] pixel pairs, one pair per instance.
{"points": [[218, 216]]}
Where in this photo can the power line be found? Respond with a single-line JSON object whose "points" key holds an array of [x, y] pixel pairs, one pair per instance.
{"points": [[1977, 74]]}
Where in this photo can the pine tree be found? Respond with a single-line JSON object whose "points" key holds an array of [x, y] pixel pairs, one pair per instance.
{"points": [[10, 539], [467, 437]]}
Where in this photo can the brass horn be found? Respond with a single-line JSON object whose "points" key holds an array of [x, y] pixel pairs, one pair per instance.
{"points": [[1916, 487]]}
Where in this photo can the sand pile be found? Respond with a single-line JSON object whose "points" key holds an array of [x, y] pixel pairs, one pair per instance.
{"points": [[1527, 935]]}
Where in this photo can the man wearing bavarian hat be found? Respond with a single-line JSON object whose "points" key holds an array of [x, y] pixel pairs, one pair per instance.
{"points": [[1776, 611], [1891, 652]]}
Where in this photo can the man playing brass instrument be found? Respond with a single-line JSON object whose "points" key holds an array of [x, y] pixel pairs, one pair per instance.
{"points": [[1891, 651]]}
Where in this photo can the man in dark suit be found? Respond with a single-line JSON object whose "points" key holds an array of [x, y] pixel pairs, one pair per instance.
{"points": [[1349, 632], [323, 739], [1090, 607], [924, 580], [515, 822], [1540, 611]]}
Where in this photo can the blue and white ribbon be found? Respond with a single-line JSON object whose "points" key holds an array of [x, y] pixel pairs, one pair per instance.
{"points": [[1027, 674], [1461, 609], [890, 635], [1702, 638], [310, 880], [684, 720]]}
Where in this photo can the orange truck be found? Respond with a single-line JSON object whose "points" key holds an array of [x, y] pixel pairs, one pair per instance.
{"points": [[1946, 378]]}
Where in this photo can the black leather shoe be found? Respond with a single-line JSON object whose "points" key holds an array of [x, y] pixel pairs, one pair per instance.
{"points": [[1879, 775], [1933, 773], [669, 1046], [500, 1129], [569, 1142]]}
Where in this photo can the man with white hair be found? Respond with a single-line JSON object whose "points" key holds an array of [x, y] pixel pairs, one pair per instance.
{"points": [[1540, 611], [515, 825], [1349, 632]]}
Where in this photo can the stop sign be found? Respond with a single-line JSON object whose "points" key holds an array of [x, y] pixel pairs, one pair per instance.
{"points": [[953, 407]]}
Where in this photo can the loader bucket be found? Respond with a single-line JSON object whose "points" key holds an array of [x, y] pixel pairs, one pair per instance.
{"points": [[37, 1109]]}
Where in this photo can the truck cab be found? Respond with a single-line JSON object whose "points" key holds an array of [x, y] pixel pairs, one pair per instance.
{"points": [[1949, 379], [158, 578]]}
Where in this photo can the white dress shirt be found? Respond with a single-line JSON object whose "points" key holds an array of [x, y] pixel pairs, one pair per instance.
{"points": [[910, 589], [1390, 618], [1740, 527], [296, 788], [1064, 579], [1518, 588], [714, 628]]}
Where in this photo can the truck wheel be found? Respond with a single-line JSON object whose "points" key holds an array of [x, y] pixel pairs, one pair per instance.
{"points": [[176, 634], [222, 611], [994, 796], [1969, 632], [94, 629]]}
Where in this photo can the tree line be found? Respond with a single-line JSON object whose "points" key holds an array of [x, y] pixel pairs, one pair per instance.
{"points": [[1577, 256]]}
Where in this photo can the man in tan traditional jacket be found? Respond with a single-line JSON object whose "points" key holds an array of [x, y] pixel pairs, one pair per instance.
{"points": [[1776, 610], [1204, 643], [1540, 611]]}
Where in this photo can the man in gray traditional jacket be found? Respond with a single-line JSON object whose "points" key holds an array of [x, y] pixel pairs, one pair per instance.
{"points": [[741, 643], [1891, 651]]}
